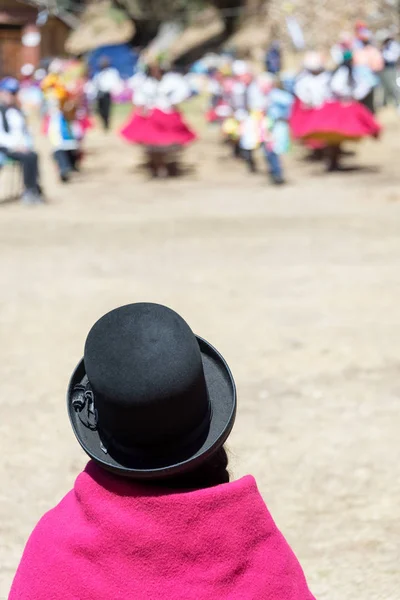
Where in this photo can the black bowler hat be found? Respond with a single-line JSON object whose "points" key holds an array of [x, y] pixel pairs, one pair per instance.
{"points": [[150, 399]]}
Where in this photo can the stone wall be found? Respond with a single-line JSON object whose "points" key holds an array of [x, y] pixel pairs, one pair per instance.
{"points": [[323, 20]]}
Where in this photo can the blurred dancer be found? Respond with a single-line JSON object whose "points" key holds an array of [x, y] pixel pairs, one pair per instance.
{"points": [[57, 125], [369, 57], [312, 84], [341, 117], [238, 127], [105, 83], [344, 43], [273, 59], [275, 131], [249, 136], [350, 85], [156, 123], [391, 56], [311, 90], [16, 142]]}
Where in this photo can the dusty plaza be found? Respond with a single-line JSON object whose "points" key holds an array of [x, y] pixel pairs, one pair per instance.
{"points": [[298, 287]]}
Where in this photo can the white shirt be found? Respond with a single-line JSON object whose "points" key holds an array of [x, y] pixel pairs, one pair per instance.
{"points": [[343, 87], [312, 90], [163, 94], [214, 87], [256, 99], [249, 133], [18, 135], [391, 52], [137, 80], [107, 81], [238, 95]]}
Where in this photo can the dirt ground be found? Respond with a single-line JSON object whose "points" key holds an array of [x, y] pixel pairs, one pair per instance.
{"points": [[299, 288]]}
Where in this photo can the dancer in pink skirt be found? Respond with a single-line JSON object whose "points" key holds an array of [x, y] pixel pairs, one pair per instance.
{"points": [[333, 113], [156, 123]]}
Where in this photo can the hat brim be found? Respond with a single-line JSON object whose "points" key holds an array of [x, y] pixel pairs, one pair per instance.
{"points": [[222, 396]]}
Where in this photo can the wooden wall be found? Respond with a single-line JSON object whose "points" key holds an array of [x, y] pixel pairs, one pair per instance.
{"points": [[54, 36], [10, 51], [14, 18]]}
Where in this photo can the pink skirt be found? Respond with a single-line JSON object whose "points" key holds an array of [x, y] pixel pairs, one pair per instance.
{"points": [[85, 122], [157, 128], [333, 123]]}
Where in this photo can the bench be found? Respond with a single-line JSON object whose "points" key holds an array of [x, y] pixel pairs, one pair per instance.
{"points": [[11, 185]]}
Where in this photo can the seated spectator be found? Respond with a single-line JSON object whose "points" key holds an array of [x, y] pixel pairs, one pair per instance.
{"points": [[154, 515], [16, 142]]}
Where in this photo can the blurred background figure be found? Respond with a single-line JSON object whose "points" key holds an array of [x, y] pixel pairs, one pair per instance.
{"points": [[16, 143], [105, 83], [370, 57], [353, 82], [156, 122], [350, 86], [391, 56], [273, 58], [57, 125], [312, 84], [345, 43], [275, 130]]}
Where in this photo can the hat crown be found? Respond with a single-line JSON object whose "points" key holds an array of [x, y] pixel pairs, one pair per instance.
{"points": [[145, 369]]}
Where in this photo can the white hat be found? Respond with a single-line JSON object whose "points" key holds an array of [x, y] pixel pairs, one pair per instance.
{"points": [[241, 114], [27, 70], [240, 67], [313, 61], [56, 66], [40, 74], [223, 111]]}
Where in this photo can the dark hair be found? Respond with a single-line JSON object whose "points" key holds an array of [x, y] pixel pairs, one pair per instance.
{"points": [[104, 62], [210, 473], [349, 64]]}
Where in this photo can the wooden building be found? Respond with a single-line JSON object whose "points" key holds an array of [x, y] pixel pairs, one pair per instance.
{"points": [[27, 39]]}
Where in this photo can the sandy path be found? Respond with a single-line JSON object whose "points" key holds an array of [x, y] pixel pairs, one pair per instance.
{"points": [[298, 287]]}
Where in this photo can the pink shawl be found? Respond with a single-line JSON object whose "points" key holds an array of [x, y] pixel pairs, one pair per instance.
{"points": [[112, 539]]}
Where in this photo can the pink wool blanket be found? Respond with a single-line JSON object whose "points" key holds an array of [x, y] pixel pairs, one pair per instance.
{"points": [[112, 539]]}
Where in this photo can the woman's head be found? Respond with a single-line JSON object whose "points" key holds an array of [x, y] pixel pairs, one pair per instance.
{"points": [[155, 70], [9, 88], [151, 400], [365, 36], [348, 57], [313, 62]]}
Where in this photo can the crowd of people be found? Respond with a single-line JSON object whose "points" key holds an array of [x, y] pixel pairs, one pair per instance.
{"points": [[331, 100], [321, 106]]}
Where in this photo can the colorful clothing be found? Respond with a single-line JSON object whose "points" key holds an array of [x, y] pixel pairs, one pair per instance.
{"points": [[278, 113], [155, 121], [334, 122], [334, 115]]}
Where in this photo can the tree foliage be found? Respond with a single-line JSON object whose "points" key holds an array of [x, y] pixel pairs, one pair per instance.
{"points": [[160, 10], [171, 9]]}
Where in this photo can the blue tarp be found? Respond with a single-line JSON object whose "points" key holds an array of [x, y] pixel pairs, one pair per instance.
{"points": [[121, 56]]}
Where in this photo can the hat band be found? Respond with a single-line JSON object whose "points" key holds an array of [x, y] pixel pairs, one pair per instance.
{"points": [[109, 443], [84, 404]]}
